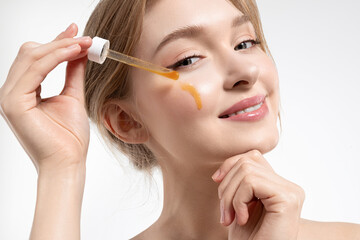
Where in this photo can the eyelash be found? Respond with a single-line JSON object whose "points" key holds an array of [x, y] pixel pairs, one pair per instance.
{"points": [[179, 63], [254, 42]]}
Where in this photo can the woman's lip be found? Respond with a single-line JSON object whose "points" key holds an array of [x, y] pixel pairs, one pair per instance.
{"points": [[243, 104], [251, 116]]}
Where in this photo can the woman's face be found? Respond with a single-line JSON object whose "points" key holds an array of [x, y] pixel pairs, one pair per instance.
{"points": [[213, 49]]}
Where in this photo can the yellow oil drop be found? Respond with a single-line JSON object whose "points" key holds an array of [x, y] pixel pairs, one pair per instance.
{"points": [[172, 74], [194, 93]]}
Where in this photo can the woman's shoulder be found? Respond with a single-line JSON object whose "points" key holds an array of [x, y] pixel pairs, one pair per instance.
{"points": [[310, 230], [146, 234], [142, 236], [138, 237]]}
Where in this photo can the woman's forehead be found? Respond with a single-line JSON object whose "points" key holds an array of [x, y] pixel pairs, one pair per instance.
{"points": [[169, 14], [166, 16]]}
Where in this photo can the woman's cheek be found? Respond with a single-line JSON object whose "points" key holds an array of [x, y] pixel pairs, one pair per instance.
{"points": [[193, 95], [187, 100], [201, 86], [183, 101], [269, 74], [270, 78]]}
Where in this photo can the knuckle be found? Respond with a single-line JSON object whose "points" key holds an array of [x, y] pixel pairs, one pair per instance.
{"points": [[1, 93], [239, 206], [248, 180], [221, 190], [231, 161], [300, 193], [35, 67], [57, 54], [247, 168], [295, 198], [255, 153], [236, 204], [297, 193], [241, 160], [2, 107], [26, 46], [67, 41], [5, 107], [25, 49], [226, 203]]}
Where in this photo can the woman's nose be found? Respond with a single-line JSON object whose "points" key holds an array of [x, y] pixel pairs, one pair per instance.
{"points": [[241, 72]]}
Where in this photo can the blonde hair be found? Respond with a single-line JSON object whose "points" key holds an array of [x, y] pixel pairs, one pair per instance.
{"points": [[120, 21]]}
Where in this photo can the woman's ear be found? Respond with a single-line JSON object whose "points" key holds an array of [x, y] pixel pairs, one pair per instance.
{"points": [[119, 120]]}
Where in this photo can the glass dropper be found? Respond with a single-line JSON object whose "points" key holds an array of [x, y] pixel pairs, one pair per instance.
{"points": [[100, 50]]}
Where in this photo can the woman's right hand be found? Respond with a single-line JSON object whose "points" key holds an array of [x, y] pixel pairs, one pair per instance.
{"points": [[256, 202], [54, 131]]}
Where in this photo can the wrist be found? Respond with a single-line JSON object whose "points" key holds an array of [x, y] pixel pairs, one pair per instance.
{"points": [[58, 206], [73, 174]]}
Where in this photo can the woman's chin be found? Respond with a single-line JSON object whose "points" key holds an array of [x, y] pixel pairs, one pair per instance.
{"points": [[263, 144], [269, 146]]}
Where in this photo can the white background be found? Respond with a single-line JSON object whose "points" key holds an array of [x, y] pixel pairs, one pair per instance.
{"points": [[316, 47]]}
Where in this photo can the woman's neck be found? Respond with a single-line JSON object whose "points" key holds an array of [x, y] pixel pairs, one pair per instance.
{"points": [[191, 204]]}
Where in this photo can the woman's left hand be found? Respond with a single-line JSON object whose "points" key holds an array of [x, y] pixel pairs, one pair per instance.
{"points": [[256, 202]]}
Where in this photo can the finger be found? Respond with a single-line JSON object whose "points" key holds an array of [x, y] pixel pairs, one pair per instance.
{"points": [[225, 168], [27, 52], [18, 67], [243, 167], [74, 83], [25, 58], [255, 155], [230, 176], [227, 191], [82, 54], [243, 196], [70, 32], [37, 72], [30, 52], [251, 188], [41, 51]]}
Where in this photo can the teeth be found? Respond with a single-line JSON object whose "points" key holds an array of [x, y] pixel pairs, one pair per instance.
{"points": [[246, 110], [250, 109]]}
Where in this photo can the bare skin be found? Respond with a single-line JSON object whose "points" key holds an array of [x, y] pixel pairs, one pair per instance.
{"points": [[188, 151], [246, 199], [54, 132]]}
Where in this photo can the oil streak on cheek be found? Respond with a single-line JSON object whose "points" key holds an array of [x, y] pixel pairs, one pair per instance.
{"points": [[194, 93]]}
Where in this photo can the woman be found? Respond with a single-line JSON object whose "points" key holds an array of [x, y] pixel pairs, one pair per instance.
{"points": [[211, 159]]}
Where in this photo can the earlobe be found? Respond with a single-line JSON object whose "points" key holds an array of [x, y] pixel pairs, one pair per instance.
{"points": [[118, 119]]}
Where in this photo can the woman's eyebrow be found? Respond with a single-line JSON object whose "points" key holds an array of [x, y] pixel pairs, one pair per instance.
{"points": [[195, 31], [184, 32], [240, 20]]}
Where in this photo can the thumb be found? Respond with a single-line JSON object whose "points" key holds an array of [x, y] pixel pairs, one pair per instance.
{"points": [[75, 76]]}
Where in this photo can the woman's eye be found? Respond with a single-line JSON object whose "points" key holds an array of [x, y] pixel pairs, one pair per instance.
{"points": [[185, 62], [246, 44]]}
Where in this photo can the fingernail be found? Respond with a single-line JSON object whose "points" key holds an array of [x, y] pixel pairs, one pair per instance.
{"points": [[82, 38], [72, 46], [68, 28], [216, 174], [222, 212], [86, 39]]}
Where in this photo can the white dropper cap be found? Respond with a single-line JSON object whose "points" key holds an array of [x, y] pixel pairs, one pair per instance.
{"points": [[98, 50]]}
